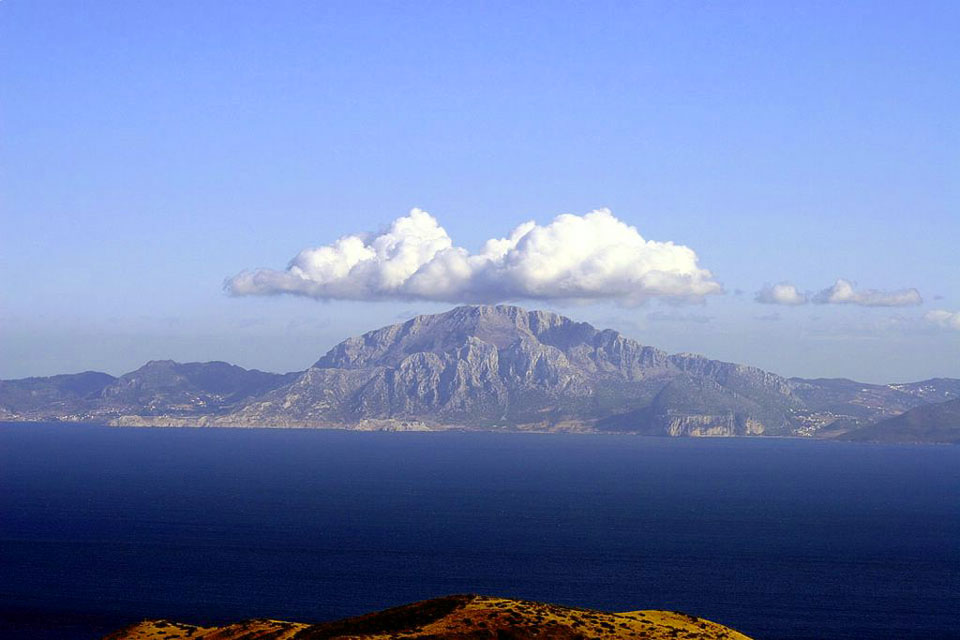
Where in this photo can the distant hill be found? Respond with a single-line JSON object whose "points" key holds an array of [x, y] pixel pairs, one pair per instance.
{"points": [[465, 617], [479, 367], [160, 387], [54, 396], [928, 423]]}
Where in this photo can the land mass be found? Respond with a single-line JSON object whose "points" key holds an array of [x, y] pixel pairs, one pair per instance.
{"points": [[938, 422], [461, 617], [486, 368]]}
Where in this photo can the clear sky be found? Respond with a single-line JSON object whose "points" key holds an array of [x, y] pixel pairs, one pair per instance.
{"points": [[151, 150]]}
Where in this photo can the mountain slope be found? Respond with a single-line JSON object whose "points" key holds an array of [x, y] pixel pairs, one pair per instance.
{"points": [[938, 422], [502, 366], [158, 388], [67, 394], [165, 387], [457, 617], [834, 406]]}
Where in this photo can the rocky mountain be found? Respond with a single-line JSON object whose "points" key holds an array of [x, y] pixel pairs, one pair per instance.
{"points": [[479, 367], [465, 617], [503, 367], [938, 422]]}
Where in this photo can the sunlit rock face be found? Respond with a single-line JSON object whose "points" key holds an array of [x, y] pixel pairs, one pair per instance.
{"points": [[502, 366]]}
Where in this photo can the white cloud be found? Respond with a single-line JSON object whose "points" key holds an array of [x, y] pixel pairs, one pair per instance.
{"points": [[945, 319], [594, 256], [843, 292], [783, 293]]}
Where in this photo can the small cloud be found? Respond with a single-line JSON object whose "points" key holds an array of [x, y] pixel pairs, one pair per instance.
{"points": [[944, 319], [782, 293], [843, 292], [590, 257], [661, 316]]}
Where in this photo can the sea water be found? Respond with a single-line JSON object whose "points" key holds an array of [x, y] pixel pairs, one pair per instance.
{"points": [[781, 539]]}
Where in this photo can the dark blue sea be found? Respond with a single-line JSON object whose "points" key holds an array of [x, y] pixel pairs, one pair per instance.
{"points": [[781, 539]]}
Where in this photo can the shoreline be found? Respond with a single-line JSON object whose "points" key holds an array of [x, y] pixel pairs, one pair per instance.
{"points": [[459, 429]]}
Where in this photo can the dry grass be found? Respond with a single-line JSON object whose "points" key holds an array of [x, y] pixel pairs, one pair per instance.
{"points": [[466, 617]]}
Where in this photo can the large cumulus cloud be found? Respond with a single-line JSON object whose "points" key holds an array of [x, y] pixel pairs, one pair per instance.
{"points": [[589, 257]]}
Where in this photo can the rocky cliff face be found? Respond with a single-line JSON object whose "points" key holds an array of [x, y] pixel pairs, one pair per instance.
{"points": [[502, 366], [478, 367]]}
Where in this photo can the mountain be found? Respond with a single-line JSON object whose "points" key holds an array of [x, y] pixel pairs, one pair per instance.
{"points": [[479, 367], [492, 367], [938, 422], [834, 406], [163, 387], [158, 388], [457, 617], [53, 397]]}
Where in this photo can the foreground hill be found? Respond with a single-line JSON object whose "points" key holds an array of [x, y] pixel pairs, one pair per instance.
{"points": [[478, 367], [457, 617], [928, 423]]}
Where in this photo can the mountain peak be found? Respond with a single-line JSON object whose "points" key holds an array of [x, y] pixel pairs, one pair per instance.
{"points": [[484, 365], [159, 364], [498, 325]]}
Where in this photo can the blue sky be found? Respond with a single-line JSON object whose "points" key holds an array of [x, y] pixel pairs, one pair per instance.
{"points": [[151, 150]]}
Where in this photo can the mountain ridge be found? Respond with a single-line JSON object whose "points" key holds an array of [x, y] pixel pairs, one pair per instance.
{"points": [[934, 423], [479, 367]]}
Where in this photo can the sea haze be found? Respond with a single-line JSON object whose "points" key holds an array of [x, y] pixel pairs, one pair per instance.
{"points": [[781, 539]]}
